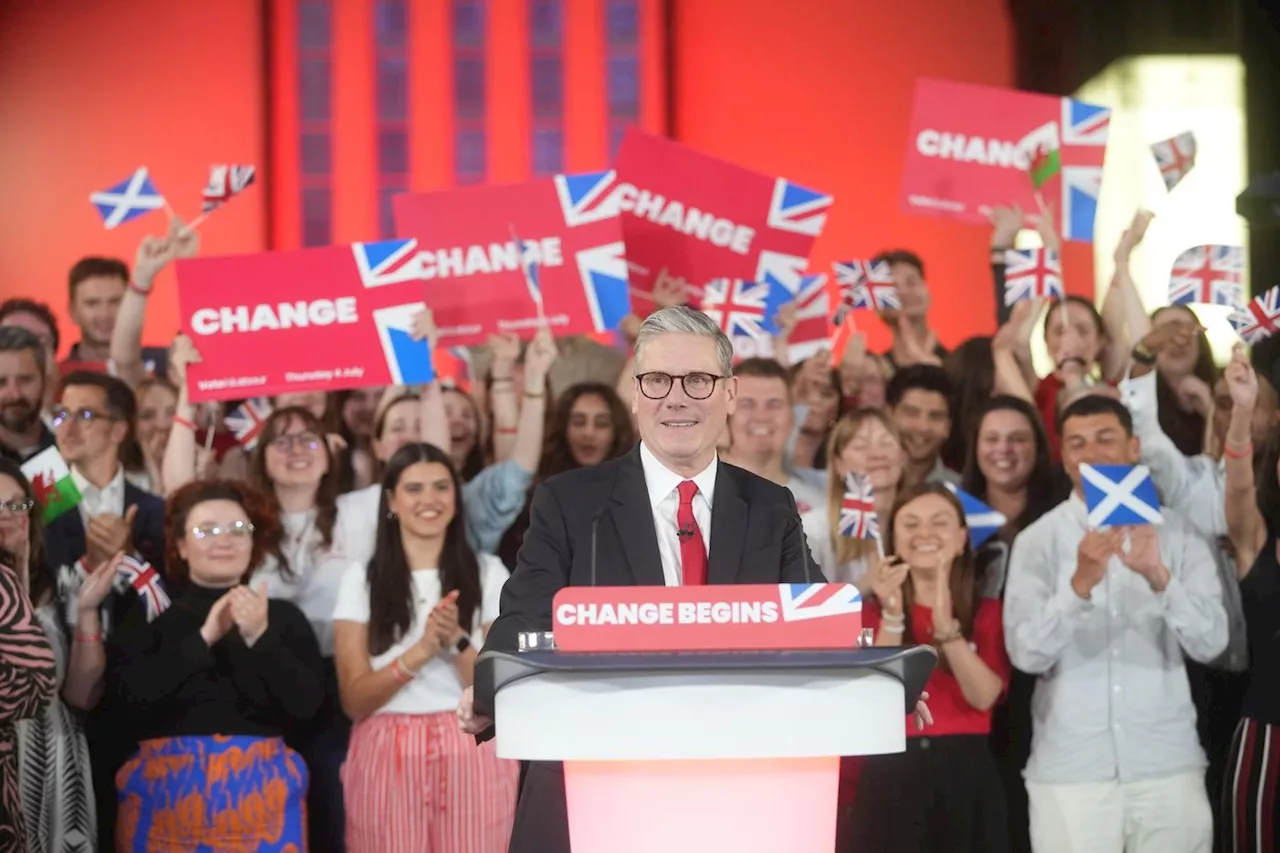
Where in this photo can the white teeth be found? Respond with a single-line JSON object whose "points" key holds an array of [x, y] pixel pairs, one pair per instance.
{"points": [[926, 549]]}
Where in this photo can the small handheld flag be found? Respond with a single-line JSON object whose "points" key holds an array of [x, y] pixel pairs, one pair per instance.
{"points": [[983, 521], [858, 509], [1119, 495], [864, 284], [737, 307], [247, 420], [55, 490], [143, 577], [1032, 273], [845, 329], [225, 181], [531, 268], [1176, 157], [1208, 275], [1256, 321], [134, 196]]}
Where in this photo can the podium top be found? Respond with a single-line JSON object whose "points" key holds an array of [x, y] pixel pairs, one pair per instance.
{"points": [[497, 669]]}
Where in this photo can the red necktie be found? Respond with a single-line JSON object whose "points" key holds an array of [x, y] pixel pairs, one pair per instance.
{"points": [[693, 554]]}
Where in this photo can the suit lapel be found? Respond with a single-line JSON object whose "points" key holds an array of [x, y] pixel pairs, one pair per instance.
{"points": [[728, 528], [632, 516]]}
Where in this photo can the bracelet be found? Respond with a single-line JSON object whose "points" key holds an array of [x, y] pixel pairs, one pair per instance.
{"points": [[529, 395], [506, 431], [179, 420], [953, 634], [897, 618], [139, 289], [88, 638], [894, 629], [402, 673], [1245, 451], [498, 380]]}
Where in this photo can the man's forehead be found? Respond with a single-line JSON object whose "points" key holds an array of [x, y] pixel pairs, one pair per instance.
{"points": [[1081, 424], [677, 352], [923, 398], [762, 388]]}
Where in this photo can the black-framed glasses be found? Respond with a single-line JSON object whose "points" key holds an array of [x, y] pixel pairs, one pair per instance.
{"points": [[657, 385], [16, 507], [302, 440], [82, 416], [236, 530]]}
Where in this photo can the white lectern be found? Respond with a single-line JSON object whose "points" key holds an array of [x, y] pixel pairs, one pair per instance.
{"points": [[702, 751]]}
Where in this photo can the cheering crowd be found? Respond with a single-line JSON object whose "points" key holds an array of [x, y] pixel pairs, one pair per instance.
{"points": [[259, 644]]}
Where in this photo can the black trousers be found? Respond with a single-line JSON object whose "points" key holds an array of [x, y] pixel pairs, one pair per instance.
{"points": [[1218, 697], [322, 743], [943, 795], [1011, 747]]}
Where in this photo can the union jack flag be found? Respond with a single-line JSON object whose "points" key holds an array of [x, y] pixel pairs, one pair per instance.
{"points": [[816, 600], [858, 509], [737, 307], [588, 197], [864, 284], [387, 262], [1084, 145], [1256, 321], [1176, 157], [143, 577], [1032, 273], [798, 209], [1208, 275], [809, 293], [247, 420], [604, 279], [225, 180]]}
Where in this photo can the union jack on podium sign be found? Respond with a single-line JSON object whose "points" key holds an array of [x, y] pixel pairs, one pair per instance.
{"points": [[707, 618]]}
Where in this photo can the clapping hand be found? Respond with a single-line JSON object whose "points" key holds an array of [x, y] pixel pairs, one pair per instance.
{"points": [[97, 584], [249, 609], [886, 582], [1143, 556], [446, 613], [108, 534]]}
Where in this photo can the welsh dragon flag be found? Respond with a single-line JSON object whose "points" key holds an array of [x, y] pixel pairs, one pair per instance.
{"points": [[1045, 150], [51, 479]]}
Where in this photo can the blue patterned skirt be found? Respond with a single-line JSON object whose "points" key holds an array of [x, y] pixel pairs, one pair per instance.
{"points": [[216, 793]]}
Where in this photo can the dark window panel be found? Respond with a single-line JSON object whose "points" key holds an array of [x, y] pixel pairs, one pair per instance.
{"points": [[616, 132], [317, 218], [386, 217], [314, 85], [393, 152], [468, 88], [315, 154], [315, 24], [548, 89], [544, 23], [393, 90], [548, 152], [624, 87], [390, 23], [468, 23], [468, 157], [622, 22]]}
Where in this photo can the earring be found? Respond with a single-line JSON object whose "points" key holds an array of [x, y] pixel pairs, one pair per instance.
{"points": [[391, 516]]}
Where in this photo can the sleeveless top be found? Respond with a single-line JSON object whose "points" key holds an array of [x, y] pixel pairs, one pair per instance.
{"points": [[1260, 595]]}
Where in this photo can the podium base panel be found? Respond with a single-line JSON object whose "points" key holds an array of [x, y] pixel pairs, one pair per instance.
{"points": [[785, 805]]}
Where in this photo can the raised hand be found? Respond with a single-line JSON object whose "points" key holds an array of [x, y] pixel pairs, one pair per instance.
{"points": [[785, 319], [1132, 236], [538, 358], [249, 612], [1143, 556], [97, 584], [506, 351], [1006, 222], [424, 326], [1092, 557], [1194, 395], [182, 353], [1242, 381], [886, 583]]}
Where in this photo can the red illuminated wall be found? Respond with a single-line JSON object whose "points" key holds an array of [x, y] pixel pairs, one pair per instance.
{"points": [[816, 90], [89, 91]]}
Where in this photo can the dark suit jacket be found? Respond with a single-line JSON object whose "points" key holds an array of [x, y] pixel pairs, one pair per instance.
{"points": [[756, 537]]}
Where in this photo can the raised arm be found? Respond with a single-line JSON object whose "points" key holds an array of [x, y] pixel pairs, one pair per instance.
{"points": [[1246, 527], [504, 404], [180, 455], [1010, 378], [1006, 222], [154, 254], [1123, 314]]}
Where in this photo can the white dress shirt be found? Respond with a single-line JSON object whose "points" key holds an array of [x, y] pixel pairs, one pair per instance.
{"points": [[95, 501], [662, 483], [1112, 701]]}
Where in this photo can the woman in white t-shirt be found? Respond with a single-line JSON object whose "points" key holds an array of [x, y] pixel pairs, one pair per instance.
{"points": [[406, 630]]}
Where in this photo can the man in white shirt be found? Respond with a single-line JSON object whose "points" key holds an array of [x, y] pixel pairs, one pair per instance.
{"points": [[1104, 617]]}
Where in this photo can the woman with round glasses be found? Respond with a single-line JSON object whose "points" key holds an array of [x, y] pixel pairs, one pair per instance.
{"points": [[212, 684]]}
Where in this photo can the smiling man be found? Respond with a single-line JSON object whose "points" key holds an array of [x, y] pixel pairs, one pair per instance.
{"points": [[917, 397], [670, 513]]}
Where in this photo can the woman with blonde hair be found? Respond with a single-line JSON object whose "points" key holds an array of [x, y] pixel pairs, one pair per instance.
{"points": [[863, 442]]}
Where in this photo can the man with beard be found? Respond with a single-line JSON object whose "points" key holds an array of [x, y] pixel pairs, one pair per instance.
{"points": [[22, 387], [917, 398]]}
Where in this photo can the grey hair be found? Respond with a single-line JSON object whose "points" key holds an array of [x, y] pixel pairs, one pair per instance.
{"points": [[682, 320], [17, 338]]}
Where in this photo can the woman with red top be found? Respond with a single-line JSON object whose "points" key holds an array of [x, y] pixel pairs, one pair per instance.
{"points": [[944, 792]]}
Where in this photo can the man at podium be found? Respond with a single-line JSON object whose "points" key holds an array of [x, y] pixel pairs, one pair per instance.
{"points": [[667, 513]]}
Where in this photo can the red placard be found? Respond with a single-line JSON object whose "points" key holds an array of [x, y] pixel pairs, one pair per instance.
{"points": [[473, 280], [969, 150], [707, 618], [306, 320], [689, 217]]}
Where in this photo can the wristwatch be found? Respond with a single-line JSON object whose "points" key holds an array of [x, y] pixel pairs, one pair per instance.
{"points": [[462, 645], [1142, 355]]}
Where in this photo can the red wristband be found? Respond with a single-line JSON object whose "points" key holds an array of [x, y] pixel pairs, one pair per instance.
{"points": [[88, 638], [1245, 452], [139, 289], [179, 420], [506, 431]]}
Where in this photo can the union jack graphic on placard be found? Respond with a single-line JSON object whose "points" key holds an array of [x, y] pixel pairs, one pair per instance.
{"points": [[409, 358], [737, 306], [866, 284], [1031, 274], [798, 209], [818, 600], [1085, 129], [604, 279], [143, 577], [1257, 321], [858, 509], [588, 197], [1208, 275], [225, 180], [1176, 157], [247, 420], [387, 262]]}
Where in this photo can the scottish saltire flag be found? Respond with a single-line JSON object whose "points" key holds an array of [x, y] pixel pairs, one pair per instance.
{"points": [[143, 577], [605, 282], [737, 307], [1176, 157], [408, 357], [864, 284], [134, 196], [225, 180], [247, 420], [1257, 320], [983, 521], [1119, 495], [1208, 275], [587, 197], [1032, 273], [529, 266], [798, 209], [858, 509], [387, 262], [815, 600]]}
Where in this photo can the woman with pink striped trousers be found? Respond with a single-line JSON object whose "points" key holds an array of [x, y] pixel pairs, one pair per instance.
{"points": [[413, 782]]}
